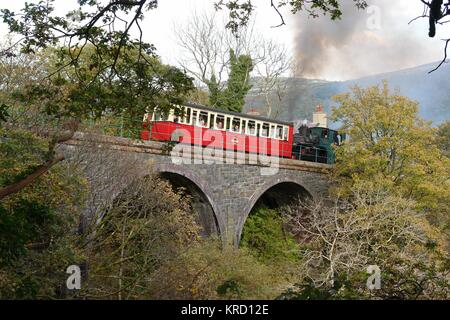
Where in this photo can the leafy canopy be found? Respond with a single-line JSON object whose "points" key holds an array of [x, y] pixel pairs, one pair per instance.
{"points": [[97, 65], [391, 145], [241, 10], [37, 239], [265, 236]]}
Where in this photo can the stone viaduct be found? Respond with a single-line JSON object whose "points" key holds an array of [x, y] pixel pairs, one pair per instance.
{"points": [[224, 186]]}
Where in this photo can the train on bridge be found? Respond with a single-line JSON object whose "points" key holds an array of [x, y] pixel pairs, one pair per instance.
{"points": [[219, 129]]}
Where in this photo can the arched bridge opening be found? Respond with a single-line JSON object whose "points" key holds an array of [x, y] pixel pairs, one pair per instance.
{"points": [[200, 203], [281, 195], [275, 197]]}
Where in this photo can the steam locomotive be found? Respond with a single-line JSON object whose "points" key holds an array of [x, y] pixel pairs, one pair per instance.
{"points": [[219, 129]]}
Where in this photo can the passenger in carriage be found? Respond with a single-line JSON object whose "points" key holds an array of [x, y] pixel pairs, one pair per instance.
{"points": [[219, 123], [236, 125], [265, 131], [203, 120], [251, 128]]}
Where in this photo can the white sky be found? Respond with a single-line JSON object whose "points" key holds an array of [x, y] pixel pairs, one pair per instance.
{"points": [[159, 29]]}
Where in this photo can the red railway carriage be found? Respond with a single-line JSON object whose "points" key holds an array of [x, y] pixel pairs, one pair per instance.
{"points": [[220, 129]]}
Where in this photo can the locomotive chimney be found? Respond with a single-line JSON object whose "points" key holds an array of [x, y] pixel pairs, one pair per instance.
{"points": [[320, 117]]}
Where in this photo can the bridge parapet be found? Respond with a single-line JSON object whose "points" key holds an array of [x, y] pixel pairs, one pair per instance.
{"points": [[198, 155]]}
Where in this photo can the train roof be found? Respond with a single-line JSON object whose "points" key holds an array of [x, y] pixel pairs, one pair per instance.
{"points": [[237, 114], [323, 128]]}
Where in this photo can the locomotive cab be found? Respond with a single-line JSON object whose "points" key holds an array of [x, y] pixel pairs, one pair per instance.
{"points": [[316, 144]]}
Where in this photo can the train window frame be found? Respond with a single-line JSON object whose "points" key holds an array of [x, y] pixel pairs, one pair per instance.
{"points": [[212, 117], [285, 133], [203, 114], [279, 132], [175, 118], [247, 129], [239, 120], [157, 115], [227, 123], [195, 117], [188, 116], [171, 115], [220, 116], [262, 130], [272, 132], [181, 116], [165, 116]]}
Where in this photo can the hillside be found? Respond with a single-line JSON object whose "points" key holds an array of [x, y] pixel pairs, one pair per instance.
{"points": [[430, 90]]}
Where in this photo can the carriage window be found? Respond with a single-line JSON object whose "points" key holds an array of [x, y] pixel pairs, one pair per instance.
{"points": [[211, 121], [265, 130], [188, 116], [251, 128], [157, 115], [244, 125], [258, 129], [220, 122], [203, 119], [194, 118], [285, 133], [236, 125], [325, 134], [164, 116], [181, 116], [228, 123], [175, 115], [279, 133], [272, 132]]}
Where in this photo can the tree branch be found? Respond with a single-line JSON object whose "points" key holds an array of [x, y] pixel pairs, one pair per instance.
{"points": [[16, 187], [282, 23], [71, 127]]}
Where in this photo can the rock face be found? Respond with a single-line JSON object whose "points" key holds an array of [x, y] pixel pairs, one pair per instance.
{"points": [[303, 95], [224, 191]]}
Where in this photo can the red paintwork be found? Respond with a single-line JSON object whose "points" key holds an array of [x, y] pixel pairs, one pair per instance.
{"points": [[163, 130]]}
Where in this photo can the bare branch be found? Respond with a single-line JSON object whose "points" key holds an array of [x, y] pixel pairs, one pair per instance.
{"points": [[444, 60], [282, 23]]}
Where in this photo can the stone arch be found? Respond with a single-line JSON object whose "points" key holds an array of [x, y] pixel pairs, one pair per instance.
{"points": [[199, 189], [286, 186]]}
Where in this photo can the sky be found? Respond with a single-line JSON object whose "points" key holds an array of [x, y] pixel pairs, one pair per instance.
{"points": [[364, 43]]}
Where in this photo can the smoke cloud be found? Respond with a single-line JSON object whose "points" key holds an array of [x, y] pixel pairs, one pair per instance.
{"points": [[363, 42]]}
